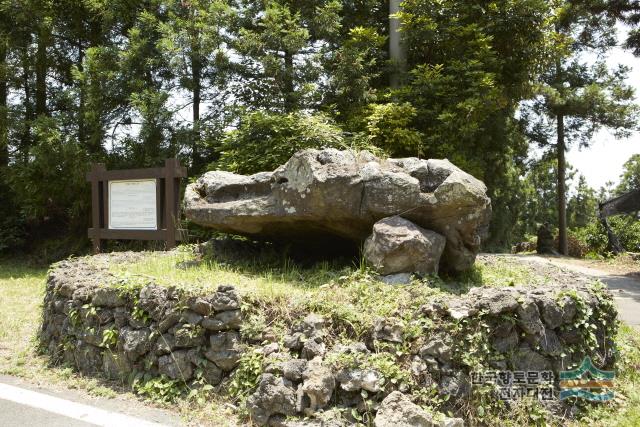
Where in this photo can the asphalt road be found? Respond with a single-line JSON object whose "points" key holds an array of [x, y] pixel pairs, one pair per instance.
{"points": [[16, 415], [24, 404]]}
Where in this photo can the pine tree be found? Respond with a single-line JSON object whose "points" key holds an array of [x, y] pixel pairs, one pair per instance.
{"points": [[576, 98]]}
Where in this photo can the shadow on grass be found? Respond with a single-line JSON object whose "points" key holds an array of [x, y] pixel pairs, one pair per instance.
{"points": [[13, 268], [306, 268], [459, 284]]}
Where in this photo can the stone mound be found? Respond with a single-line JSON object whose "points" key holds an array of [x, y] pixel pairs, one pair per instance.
{"points": [[326, 193], [102, 324]]}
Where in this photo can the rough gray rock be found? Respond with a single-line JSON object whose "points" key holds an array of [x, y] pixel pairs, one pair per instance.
{"points": [[312, 324], [313, 348], [437, 348], [388, 330], [107, 297], [231, 319], [154, 300], [115, 366], [528, 317], [88, 358], [171, 318], [494, 300], [549, 343], [134, 342], [224, 350], [165, 344], [294, 341], [225, 299], [360, 379], [211, 373], [506, 343], [569, 309], [396, 410], [274, 395], [320, 193], [455, 385], [191, 317], [551, 312], [318, 385], [200, 305], [397, 279], [188, 336], [525, 359], [294, 369], [176, 365], [399, 246]]}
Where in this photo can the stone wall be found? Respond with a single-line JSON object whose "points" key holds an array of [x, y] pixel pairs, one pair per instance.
{"points": [[107, 326], [115, 331]]}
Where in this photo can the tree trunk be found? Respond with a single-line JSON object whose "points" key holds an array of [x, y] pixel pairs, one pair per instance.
{"points": [[562, 203], [196, 69], [289, 95], [25, 140], [41, 70], [82, 131], [4, 122]]}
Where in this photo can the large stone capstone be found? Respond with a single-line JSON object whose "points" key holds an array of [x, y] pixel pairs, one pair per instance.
{"points": [[322, 193]]}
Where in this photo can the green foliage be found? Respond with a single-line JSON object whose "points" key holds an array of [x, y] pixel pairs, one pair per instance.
{"points": [[389, 127], [242, 85], [245, 377], [158, 389], [630, 178], [627, 228], [263, 141], [52, 183], [582, 206], [109, 338]]}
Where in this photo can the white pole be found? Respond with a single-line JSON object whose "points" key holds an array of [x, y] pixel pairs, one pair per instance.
{"points": [[396, 48]]}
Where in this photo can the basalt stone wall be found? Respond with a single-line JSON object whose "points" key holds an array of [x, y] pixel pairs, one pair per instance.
{"points": [[99, 327], [115, 329]]}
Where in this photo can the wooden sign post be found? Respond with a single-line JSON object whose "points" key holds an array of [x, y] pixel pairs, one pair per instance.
{"points": [[135, 204]]}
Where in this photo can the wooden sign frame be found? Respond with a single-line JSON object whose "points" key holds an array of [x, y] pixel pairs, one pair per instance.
{"points": [[167, 203]]}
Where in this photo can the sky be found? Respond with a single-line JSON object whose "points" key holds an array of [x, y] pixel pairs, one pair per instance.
{"points": [[603, 160]]}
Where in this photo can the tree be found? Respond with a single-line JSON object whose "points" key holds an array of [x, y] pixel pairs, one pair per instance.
{"points": [[281, 44], [469, 66], [582, 206], [575, 98], [194, 41], [630, 178]]}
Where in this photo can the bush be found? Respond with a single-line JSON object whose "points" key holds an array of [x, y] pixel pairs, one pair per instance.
{"points": [[12, 233], [594, 236], [389, 127], [264, 141], [577, 248]]}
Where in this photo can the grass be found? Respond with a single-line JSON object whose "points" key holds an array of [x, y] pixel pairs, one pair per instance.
{"points": [[21, 295], [349, 294], [346, 292]]}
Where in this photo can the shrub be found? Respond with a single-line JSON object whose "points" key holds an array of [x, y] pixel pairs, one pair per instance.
{"points": [[577, 248], [389, 127], [264, 141], [594, 236]]}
